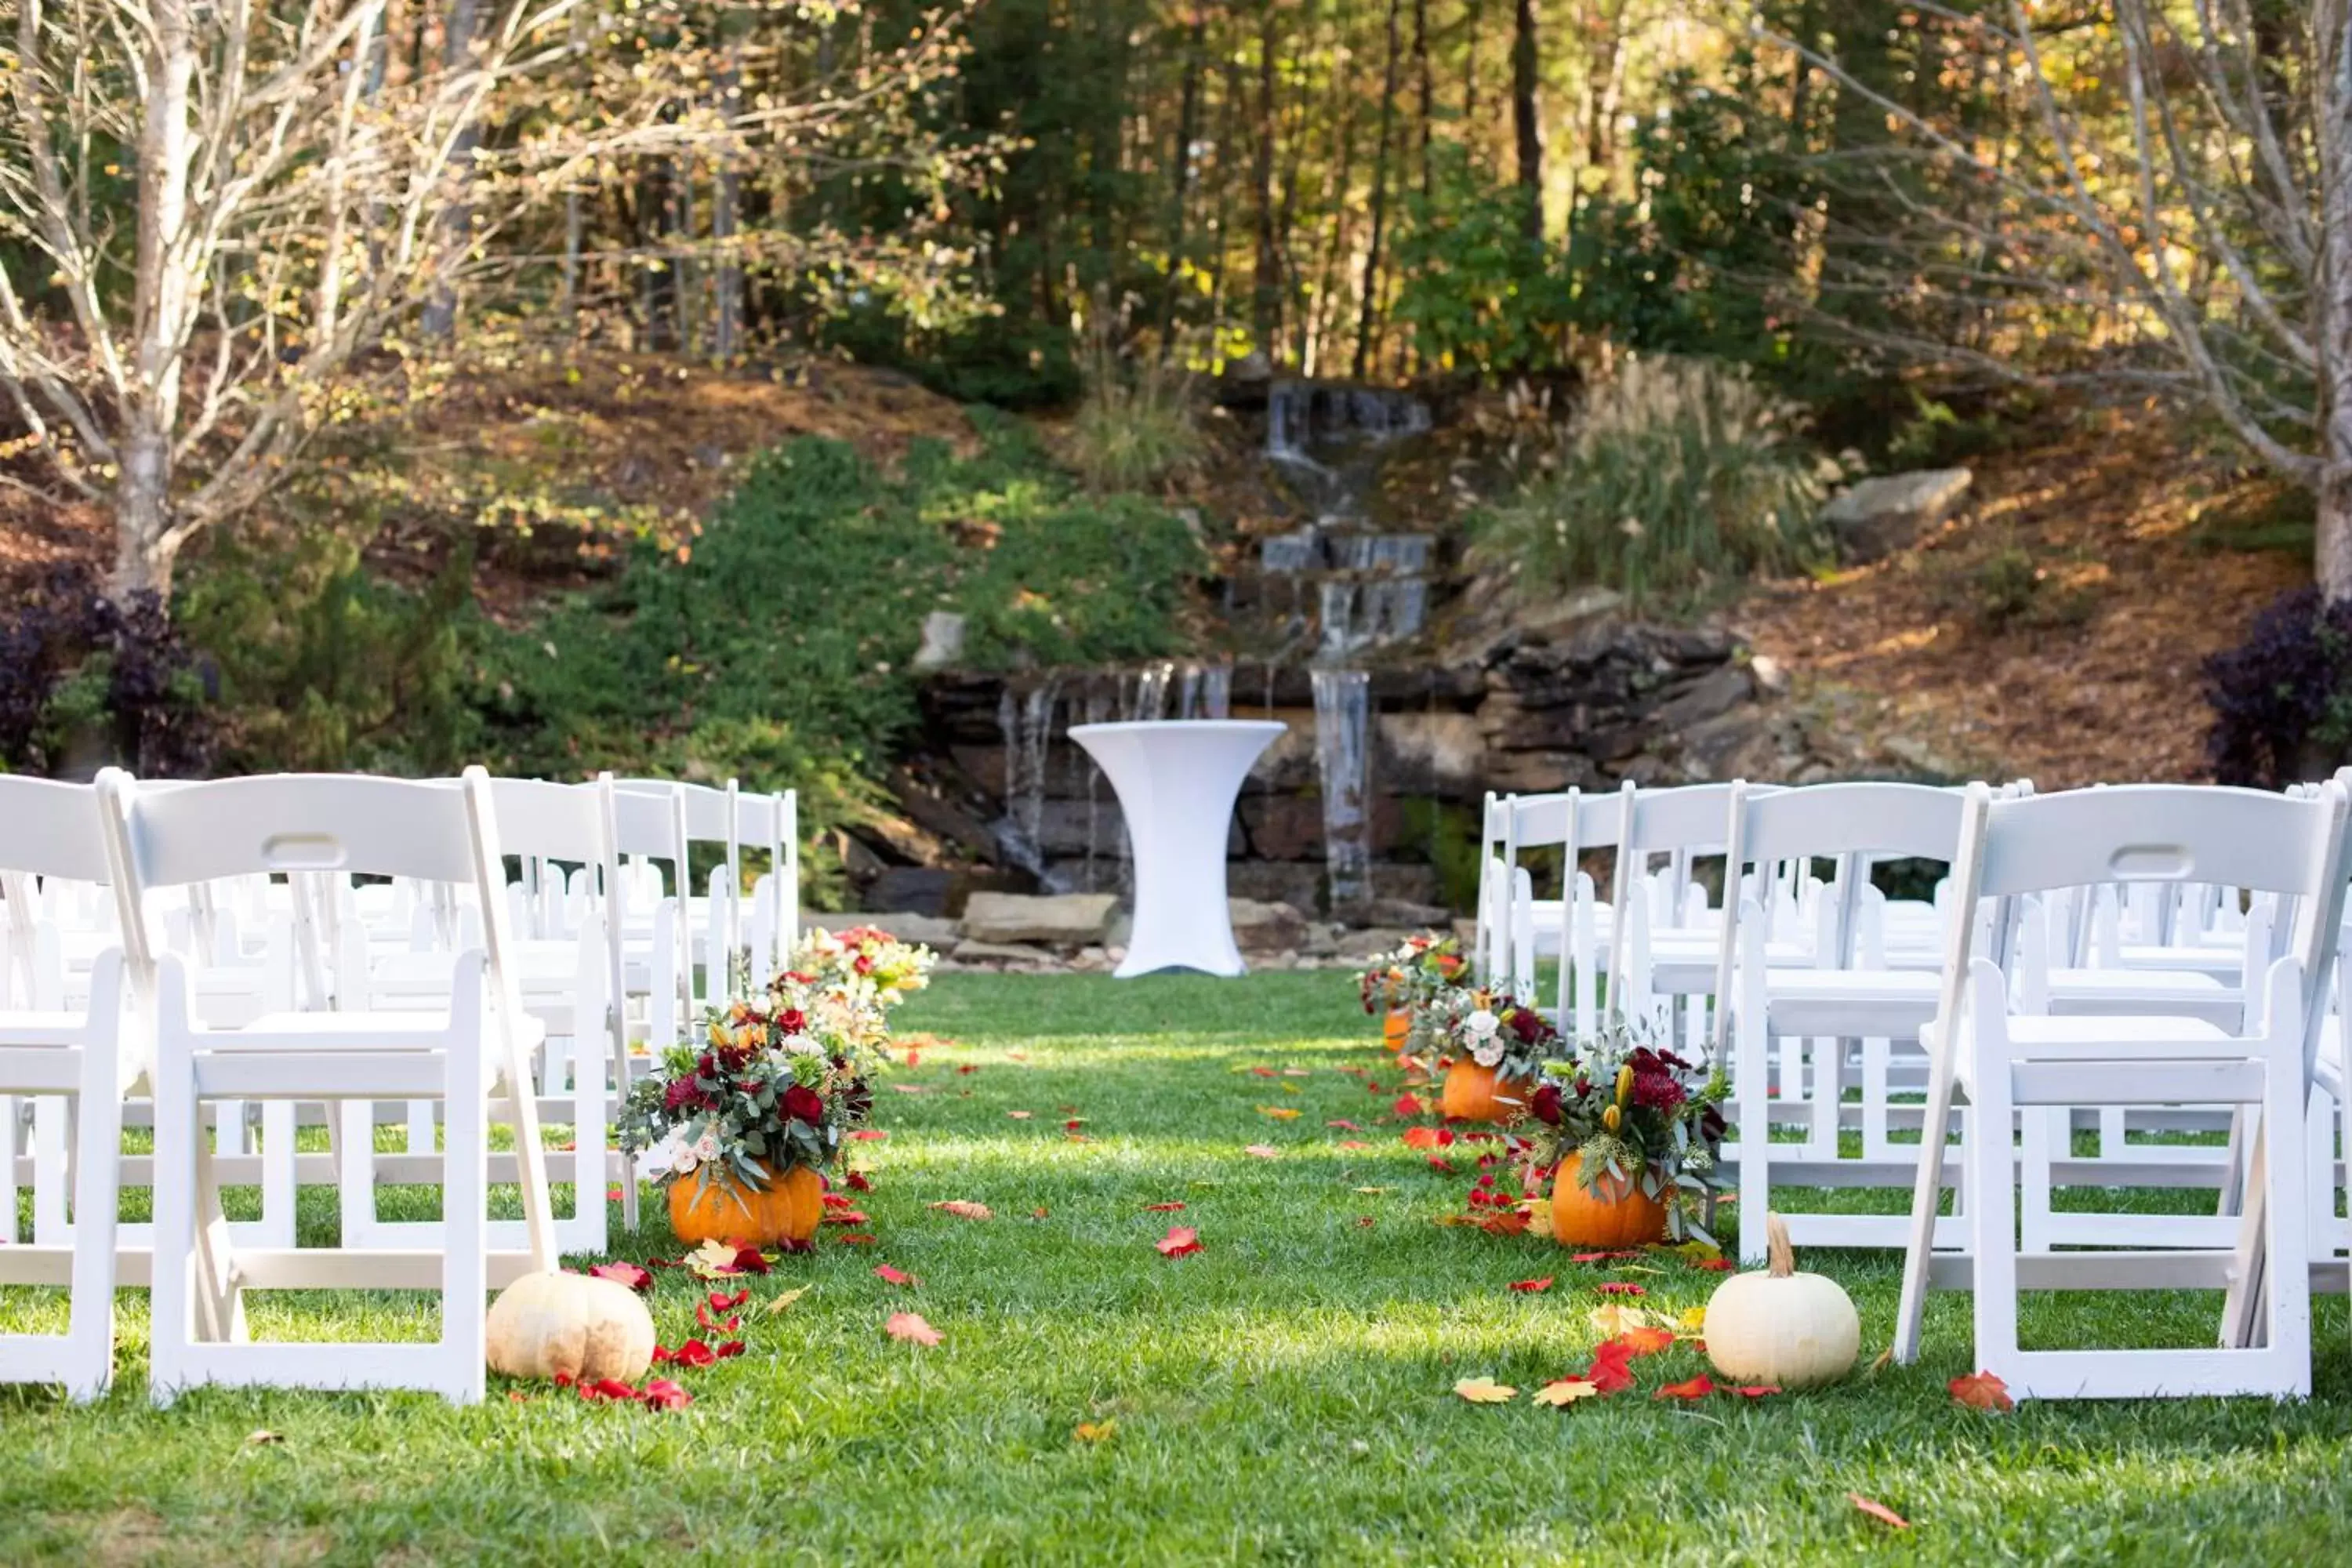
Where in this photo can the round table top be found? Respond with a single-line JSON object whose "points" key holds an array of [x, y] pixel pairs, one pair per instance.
{"points": [[1182, 726]]}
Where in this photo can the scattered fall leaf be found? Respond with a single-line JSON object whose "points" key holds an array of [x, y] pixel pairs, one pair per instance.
{"points": [[856, 1238], [870, 1134], [1612, 1320], [1532, 1287], [1406, 1105], [1698, 1387], [788, 1298], [1486, 1391], [1279, 1112], [1564, 1392], [912, 1087], [262, 1438], [964, 1208], [1263, 1072], [1646, 1340], [1428, 1137], [1179, 1242], [1262, 1150], [1353, 1143], [1164, 1208], [1982, 1391], [1757, 1391], [662, 1394], [894, 1276], [910, 1326], [1095, 1431], [1020, 1115], [1878, 1510], [1344, 1126], [638, 1280], [1620, 1288]]}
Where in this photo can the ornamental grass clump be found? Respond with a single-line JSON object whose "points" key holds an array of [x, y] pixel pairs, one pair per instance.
{"points": [[1681, 478]]}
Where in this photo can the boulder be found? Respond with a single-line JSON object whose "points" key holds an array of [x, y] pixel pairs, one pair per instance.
{"points": [[1000, 952], [1880, 516], [1072, 920], [943, 640], [1265, 927]]}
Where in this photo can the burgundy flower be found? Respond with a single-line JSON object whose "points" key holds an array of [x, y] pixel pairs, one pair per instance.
{"points": [[803, 1103], [1545, 1105], [792, 1021], [682, 1095], [1525, 1022], [1658, 1090]]}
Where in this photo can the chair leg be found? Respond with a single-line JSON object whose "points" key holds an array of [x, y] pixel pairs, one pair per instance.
{"points": [[2288, 1224], [90, 1362], [1751, 1081], [218, 1290], [8, 1112], [1989, 1178], [465, 1194], [174, 1330]]}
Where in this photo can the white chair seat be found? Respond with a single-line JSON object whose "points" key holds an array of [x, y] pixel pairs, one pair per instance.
{"points": [[1850, 1004], [378, 1031], [2142, 991]]}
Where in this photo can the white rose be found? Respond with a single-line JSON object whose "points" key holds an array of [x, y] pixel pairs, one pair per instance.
{"points": [[683, 1163], [707, 1146], [800, 1045], [1481, 1024], [1487, 1055]]}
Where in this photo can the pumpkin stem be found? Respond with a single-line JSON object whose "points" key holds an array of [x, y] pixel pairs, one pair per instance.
{"points": [[1782, 1256]]}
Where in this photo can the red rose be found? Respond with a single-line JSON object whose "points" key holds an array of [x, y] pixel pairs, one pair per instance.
{"points": [[792, 1021], [1545, 1105], [803, 1103]]}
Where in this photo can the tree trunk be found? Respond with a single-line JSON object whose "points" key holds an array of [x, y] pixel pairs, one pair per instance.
{"points": [[1474, 15], [458, 221], [1425, 84], [1180, 179], [1527, 116], [1369, 289], [2332, 128], [162, 292], [1266, 305]]}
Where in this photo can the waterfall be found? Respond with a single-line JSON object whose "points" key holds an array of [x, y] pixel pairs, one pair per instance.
{"points": [[1191, 693], [1217, 692], [1343, 756], [1027, 726]]}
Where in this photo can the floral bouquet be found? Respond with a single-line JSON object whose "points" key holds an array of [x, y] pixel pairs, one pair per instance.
{"points": [[1493, 1050], [745, 1122], [1628, 1125], [1399, 983], [867, 961]]}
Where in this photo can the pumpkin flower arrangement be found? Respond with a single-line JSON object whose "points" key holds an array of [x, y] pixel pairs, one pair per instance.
{"points": [[748, 1117], [1493, 1050], [1627, 1126], [1399, 982], [865, 961]]}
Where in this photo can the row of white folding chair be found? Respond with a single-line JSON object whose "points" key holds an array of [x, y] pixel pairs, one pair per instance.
{"points": [[1996, 1060]]}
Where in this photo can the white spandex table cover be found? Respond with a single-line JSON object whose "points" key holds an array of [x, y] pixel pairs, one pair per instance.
{"points": [[1177, 781]]}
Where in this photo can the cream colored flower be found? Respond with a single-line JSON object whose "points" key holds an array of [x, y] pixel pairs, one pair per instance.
{"points": [[1481, 1024]]}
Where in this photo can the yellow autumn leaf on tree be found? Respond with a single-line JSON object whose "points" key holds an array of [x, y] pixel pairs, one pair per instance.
{"points": [[1567, 1391], [1486, 1391]]}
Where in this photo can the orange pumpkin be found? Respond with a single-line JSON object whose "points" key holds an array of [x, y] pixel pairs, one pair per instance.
{"points": [[786, 1210], [1473, 1093], [1614, 1214], [1394, 1028]]}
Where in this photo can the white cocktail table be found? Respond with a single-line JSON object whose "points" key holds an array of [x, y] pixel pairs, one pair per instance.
{"points": [[1177, 781]]}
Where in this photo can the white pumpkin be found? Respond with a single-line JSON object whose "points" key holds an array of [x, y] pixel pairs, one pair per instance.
{"points": [[1780, 1327], [570, 1325]]}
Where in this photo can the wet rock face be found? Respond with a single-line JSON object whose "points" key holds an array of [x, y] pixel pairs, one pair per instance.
{"points": [[1583, 699]]}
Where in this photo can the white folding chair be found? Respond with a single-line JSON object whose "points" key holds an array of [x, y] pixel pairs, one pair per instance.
{"points": [[771, 922], [88, 1059], [657, 960], [1812, 1010], [478, 1053], [1998, 1060]]}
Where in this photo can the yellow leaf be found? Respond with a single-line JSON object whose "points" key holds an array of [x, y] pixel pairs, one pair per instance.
{"points": [[1370, 1192], [1095, 1431], [1279, 1112], [1612, 1319], [1565, 1392], [1692, 1321], [1538, 1213], [788, 1298], [1486, 1391]]}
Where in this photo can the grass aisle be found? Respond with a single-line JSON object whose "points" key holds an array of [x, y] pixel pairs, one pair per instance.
{"points": [[1283, 1395]]}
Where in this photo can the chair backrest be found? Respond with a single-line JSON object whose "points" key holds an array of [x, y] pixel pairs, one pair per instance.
{"points": [[1829, 820], [429, 830], [650, 822], [51, 829], [566, 822], [708, 811], [2156, 833]]}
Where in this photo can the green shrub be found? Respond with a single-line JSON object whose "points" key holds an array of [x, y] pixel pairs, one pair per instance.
{"points": [[1680, 478]]}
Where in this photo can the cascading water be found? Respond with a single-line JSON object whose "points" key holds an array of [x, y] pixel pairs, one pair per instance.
{"points": [[1027, 724], [1370, 590], [1343, 756]]}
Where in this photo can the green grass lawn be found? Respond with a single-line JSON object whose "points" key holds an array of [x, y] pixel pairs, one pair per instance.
{"points": [[1283, 1395]]}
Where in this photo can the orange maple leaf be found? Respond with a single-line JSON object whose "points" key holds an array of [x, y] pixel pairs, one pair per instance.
{"points": [[1427, 1138], [1564, 1392], [1644, 1339], [1531, 1286], [1698, 1387], [1982, 1392], [1879, 1511], [963, 1208], [1486, 1391], [911, 1326]]}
